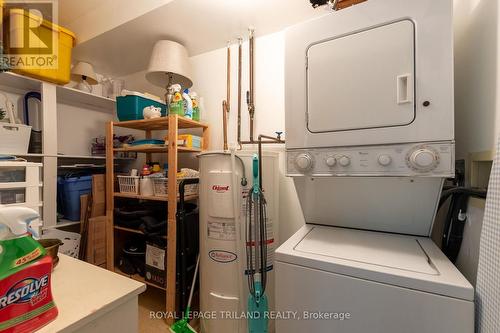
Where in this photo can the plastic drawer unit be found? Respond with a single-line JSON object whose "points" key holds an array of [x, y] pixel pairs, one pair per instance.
{"points": [[21, 185]]}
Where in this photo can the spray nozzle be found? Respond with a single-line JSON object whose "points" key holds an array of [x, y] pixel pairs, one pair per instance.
{"points": [[17, 220]]}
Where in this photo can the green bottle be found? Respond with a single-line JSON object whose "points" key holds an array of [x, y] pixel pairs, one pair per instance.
{"points": [[17, 247]]}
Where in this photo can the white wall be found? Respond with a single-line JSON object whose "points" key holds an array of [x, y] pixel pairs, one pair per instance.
{"points": [[477, 121], [476, 75], [210, 82], [209, 73]]}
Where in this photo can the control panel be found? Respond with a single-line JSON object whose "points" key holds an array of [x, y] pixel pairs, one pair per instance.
{"points": [[413, 159]]}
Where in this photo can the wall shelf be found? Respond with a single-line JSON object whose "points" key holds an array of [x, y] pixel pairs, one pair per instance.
{"points": [[19, 82], [64, 94], [72, 96], [76, 157], [54, 98]]}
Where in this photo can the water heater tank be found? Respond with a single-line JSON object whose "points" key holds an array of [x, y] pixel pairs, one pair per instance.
{"points": [[223, 283]]}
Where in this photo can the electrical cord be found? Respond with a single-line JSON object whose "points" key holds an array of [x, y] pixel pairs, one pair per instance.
{"points": [[478, 193], [456, 217]]}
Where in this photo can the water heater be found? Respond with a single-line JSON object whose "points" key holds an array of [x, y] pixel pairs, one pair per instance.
{"points": [[223, 283]]}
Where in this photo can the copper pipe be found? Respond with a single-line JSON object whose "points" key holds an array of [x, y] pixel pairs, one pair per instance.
{"points": [[228, 83], [240, 41], [255, 142], [250, 93], [224, 123]]}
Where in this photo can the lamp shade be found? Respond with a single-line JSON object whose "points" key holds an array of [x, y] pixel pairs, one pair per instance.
{"points": [[169, 60], [84, 69]]}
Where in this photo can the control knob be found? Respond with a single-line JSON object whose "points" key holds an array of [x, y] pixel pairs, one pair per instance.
{"points": [[384, 160], [345, 161], [330, 161], [423, 159], [304, 162]]}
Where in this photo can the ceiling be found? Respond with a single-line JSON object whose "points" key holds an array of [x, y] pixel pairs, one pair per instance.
{"points": [[201, 25], [70, 10]]}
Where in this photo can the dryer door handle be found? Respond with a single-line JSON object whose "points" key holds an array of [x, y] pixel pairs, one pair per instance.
{"points": [[404, 89]]}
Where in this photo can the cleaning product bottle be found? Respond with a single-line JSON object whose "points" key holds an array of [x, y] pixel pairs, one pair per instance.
{"points": [[26, 302], [196, 108], [177, 104], [188, 112]]}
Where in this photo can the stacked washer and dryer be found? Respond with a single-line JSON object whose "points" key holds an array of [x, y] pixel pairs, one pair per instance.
{"points": [[370, 141]]}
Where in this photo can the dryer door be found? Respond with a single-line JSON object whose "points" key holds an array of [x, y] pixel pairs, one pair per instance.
{"points": [[362, 80]]}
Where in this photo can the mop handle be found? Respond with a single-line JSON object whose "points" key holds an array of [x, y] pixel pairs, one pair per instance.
{"points": [[194, 282]]}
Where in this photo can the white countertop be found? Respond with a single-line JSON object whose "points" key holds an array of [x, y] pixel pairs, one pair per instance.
{"points": [[84, 292]]}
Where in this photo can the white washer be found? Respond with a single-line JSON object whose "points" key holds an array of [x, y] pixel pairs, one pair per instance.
{"points": [[369, 140], [383, 283]]}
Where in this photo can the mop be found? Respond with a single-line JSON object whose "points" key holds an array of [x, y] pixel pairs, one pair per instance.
{"points": [[256, 262], [182, 326]]}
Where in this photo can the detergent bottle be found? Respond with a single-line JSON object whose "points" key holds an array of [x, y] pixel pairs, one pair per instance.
{"points": [[26, 302], [177, 104], [188, 112]]}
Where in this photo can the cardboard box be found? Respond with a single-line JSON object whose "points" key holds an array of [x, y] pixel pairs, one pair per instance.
{"points": [[155, 265]]}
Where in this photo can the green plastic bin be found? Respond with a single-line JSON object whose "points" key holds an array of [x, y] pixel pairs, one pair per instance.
{"points": [[130, 106]]}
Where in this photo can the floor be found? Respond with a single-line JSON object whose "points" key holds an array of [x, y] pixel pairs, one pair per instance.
{"points": [[153, 300]]}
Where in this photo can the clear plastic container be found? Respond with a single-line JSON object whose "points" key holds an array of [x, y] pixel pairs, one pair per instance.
{"points": [[12, 196], [14, 174]]}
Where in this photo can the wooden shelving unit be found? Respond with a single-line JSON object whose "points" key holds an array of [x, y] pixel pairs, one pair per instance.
{"points": [[172, 124]]}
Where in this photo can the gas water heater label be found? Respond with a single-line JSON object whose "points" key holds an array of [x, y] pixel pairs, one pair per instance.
{"points": [[222, 256], [221, 231]]}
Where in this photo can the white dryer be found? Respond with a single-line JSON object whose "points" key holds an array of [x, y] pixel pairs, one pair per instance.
{"points": [[370, 141]]}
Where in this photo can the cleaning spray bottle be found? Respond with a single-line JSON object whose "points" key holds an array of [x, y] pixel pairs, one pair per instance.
{"points": [[26, 302]]}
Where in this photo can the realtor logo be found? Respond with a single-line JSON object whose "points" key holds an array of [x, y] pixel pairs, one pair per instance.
{"points": [[28, 40]]}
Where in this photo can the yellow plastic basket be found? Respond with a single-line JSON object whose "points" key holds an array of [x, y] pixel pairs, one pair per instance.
{"points": [[63, 44]]}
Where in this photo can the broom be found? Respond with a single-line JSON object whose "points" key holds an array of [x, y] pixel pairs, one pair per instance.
{"points": [[182, 326]]}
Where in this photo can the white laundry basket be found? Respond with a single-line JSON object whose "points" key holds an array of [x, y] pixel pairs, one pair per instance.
{"points": [[71, 241], [160, 186]]}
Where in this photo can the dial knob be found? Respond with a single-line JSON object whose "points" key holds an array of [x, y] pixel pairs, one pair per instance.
{"points": [[344, 161], [384, 160], [304, 162], [330, 161], [423, 159]]}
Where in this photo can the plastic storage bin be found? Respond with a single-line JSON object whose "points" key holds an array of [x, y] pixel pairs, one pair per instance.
{"points": [[14, 138], [64, 43], [71, 241], [72, 189], [160, 186], [130, 106], [129, 184]]}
